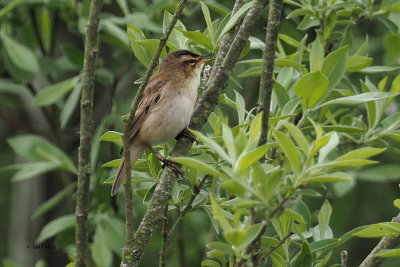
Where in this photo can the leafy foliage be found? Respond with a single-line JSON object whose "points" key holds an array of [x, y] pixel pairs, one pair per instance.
{"points": [[334, 115]]}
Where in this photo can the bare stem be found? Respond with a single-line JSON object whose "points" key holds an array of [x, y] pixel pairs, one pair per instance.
{"points": [[267, 80], [86, 134], [343, 258], [164, 234], [273, 248]]}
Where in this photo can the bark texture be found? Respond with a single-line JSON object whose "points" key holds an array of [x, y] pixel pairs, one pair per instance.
{"points": [[86, 133], [267, 79]]}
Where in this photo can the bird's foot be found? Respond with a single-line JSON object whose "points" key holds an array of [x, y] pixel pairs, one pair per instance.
{"points": [[175, 167], [186, 133]]}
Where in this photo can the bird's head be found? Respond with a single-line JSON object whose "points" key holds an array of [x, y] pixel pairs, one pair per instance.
{"points": [[183, 62]]}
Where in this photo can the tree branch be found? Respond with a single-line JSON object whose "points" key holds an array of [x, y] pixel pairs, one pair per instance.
{"points": [[205, 106], [386, 243], [86, 134], [267, 80], [164, 234], [128, 250], [273, 248]]}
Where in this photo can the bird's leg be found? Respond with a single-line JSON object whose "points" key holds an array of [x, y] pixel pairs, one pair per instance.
{"points": [[186, 133], [166, 162]]}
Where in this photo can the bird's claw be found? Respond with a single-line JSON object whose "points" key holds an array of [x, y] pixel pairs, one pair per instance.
{"points": [[186, 133], [175, 167]]}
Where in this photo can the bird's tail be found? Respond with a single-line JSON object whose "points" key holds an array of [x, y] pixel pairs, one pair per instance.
{"points": [[136, 152]]}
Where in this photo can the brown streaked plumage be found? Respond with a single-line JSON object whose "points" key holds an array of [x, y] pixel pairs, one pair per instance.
{"points": [[166, 106]]}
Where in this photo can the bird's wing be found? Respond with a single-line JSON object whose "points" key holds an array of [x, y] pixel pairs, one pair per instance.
{"points": [[151, 96]]}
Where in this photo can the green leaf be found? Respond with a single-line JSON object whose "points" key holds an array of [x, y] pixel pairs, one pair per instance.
{"points": [[114, 233], [176, 39], [303, 257], [53, 93], [112, 164], [101, 255], [298, 136], [207, 18], [358, 99], [45, 26], [316, 56], [235, 18], [213, 145], [357, 63], [248, 159], [328, 178], [56, 226], [389, 253], [396, 203], [53, 201], [141, 53], [385, 229], [235, 237], [240, 107], [229, 142], [110, 28], [199, 165], [112, 136], [220, 246], [20, 55], [324, 216], [219, 215], [361, 153], [376, 69], [289, 40], [289, 149], [382, 173], [322, 244], [333, 67], [255, 130], [33, 169], [70, 105], [283, 62], [74, 55], [311, 87], [36, 148], [198, 37]]}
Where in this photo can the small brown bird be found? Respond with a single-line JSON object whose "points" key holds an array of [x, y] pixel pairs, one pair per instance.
{"points": [[165, 108]]}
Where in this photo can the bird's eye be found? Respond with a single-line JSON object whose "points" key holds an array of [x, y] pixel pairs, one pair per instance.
{"points": [[192, 62]]}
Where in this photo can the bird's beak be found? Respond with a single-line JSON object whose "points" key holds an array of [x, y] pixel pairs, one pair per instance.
{"points": [[203, 60]]}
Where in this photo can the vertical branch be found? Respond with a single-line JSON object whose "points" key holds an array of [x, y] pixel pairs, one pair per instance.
{"points": [[86, 133], [267, 81], [127, 251], [164, 234]]}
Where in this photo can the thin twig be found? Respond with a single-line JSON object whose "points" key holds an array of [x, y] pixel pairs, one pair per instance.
{"points": [[86, 134], [343, 258], [263, 228], [273, 248], [164, 234], [267, 80], [128, 250], [386, 243], [195, 192]]}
